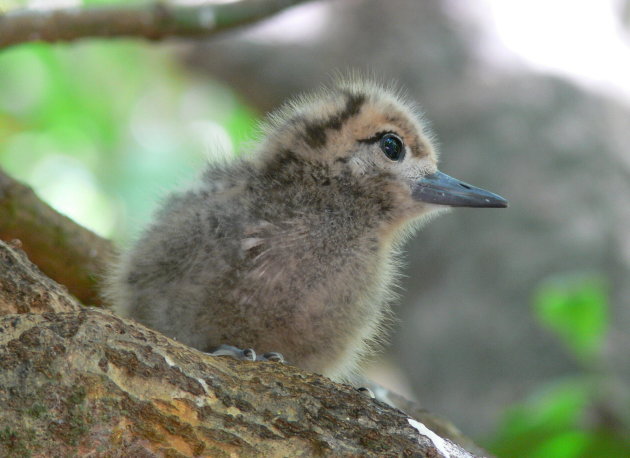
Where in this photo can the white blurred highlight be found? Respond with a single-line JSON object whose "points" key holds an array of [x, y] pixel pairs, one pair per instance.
{"points": [[302, 23], [580, 39], [52, 4]]}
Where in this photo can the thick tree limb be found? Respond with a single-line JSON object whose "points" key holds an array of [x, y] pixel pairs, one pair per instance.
{"points": [[89, 383], [153, 21], [64, 250]]}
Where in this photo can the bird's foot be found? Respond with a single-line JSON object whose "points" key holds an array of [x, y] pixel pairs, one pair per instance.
{"points": [[366, 391], [247, 354]]}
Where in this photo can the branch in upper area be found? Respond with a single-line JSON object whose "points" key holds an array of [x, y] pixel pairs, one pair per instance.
{"points": [[154, 21], [62, 249]]}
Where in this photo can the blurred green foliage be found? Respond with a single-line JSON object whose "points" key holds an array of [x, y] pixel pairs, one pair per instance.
{"points": [[101, 129], [576, 310], [574, 417]]}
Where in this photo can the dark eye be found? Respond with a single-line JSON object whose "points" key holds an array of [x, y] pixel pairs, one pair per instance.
{"points": [[393, 147]]}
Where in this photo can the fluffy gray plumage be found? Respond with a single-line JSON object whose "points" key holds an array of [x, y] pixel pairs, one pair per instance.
{"points": [[289, 249]]}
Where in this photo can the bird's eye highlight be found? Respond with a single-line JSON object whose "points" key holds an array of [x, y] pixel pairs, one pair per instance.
{"points": [[393, 147]]}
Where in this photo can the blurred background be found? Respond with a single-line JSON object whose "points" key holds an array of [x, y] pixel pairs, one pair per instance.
{"points": [[514, 324]]}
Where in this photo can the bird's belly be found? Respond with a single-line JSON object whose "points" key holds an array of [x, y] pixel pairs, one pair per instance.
{"points": [[319, 322]]}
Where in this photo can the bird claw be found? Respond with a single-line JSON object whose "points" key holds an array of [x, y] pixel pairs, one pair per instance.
{"points": [[247, 354], [272, 356], [366, 391]]}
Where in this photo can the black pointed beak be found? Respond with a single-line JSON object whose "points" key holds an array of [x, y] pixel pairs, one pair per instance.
{"points": [[439, 188]]}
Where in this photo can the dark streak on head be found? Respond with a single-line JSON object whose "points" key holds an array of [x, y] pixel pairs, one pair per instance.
{"points": [[376, 137], [285, 160], [315, 135], [287, 167], [315, 132]]}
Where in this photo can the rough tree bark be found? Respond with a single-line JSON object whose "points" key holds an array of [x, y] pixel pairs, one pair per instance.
{"points": [[77, 380]]}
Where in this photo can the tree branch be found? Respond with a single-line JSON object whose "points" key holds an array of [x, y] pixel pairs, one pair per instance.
{"points": [[64, 250], [154, 21], [81, 381]]}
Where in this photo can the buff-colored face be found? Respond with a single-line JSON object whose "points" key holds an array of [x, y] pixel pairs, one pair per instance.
{"points": [[374, 135], [385, 139]]}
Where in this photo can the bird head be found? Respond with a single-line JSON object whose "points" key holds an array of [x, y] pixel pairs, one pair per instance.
{"points": [[370, 136]]}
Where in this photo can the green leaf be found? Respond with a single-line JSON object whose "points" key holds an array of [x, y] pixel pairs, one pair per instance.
{"points": [[555, 407], [575, 308], [547, 420], [568, 444]]}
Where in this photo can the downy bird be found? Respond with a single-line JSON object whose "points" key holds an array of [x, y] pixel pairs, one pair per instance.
{"points": [[292, 247]]}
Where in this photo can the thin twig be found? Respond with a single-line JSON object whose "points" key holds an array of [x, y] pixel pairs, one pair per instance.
{"points": [[153, 21]]}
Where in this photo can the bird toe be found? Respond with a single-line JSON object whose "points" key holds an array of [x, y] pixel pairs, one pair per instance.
{"points": [[273, 356]]}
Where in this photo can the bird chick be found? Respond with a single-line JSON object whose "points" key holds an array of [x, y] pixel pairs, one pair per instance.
{"points": [[292, 247]]}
